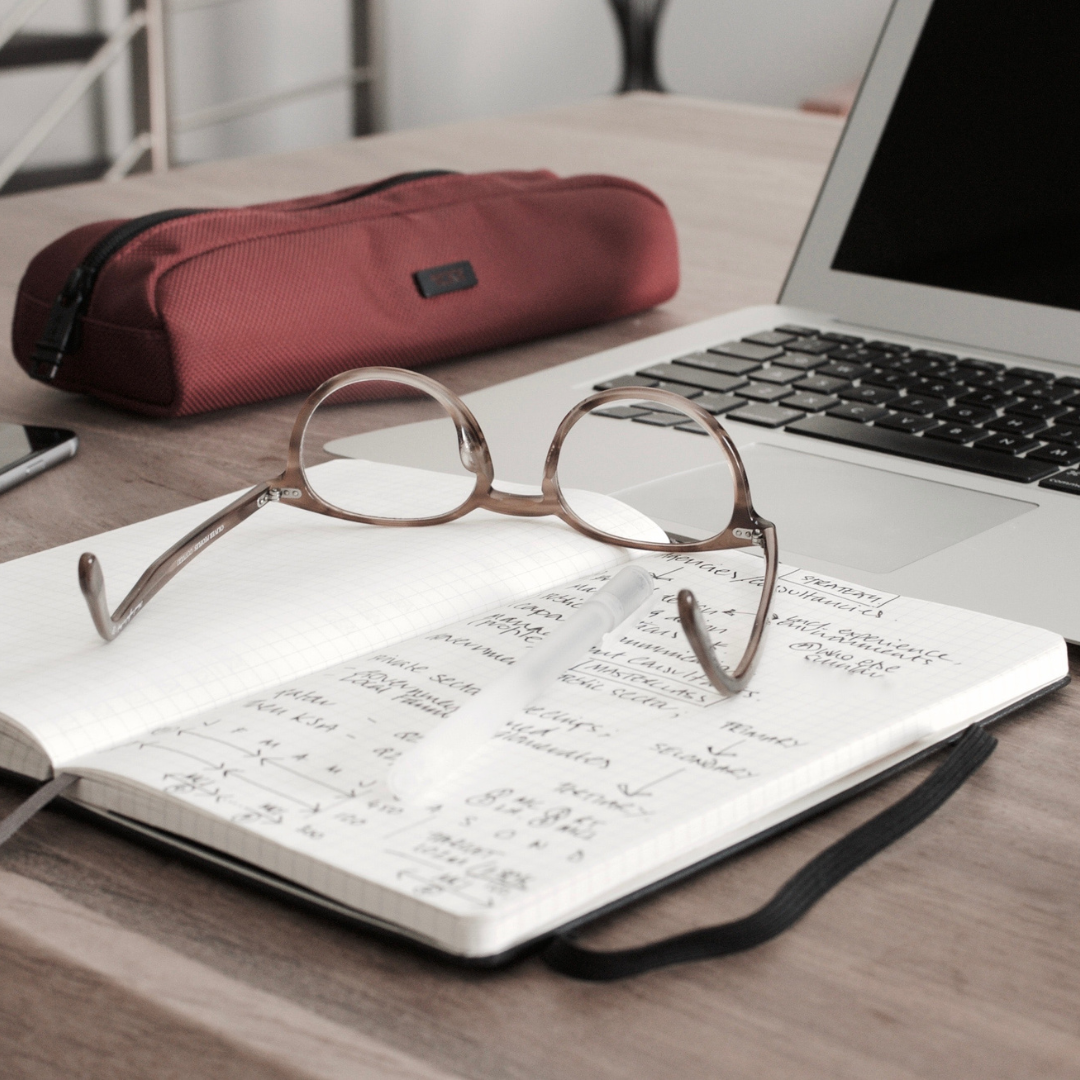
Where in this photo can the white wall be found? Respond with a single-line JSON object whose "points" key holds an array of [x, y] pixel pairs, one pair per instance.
{"points": [[249, 48], [456, 59], [441, 60], [452, 59], [773, 52]]}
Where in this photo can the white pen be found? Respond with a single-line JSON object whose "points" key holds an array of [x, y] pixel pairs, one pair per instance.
{"points": [[450, 744]]}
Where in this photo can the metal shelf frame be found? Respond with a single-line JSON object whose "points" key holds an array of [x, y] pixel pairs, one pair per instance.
{"points": [[144, 30]]}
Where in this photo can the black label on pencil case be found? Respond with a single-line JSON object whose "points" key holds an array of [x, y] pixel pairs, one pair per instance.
{"points": [[443, 279]]}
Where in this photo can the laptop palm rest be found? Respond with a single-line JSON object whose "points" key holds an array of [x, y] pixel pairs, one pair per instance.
{"points": [[850, 515]]}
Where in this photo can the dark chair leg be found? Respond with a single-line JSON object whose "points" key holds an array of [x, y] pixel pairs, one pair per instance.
{"points": [[639, 23]]}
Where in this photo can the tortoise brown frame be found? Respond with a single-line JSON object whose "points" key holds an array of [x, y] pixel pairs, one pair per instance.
{"points": [[745, 529]]}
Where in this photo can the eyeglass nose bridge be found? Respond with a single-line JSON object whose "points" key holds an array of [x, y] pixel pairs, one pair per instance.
{"points": [[522, 505]]}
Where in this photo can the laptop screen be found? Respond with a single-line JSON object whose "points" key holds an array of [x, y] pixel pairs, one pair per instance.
{"points": [[975, 182]]}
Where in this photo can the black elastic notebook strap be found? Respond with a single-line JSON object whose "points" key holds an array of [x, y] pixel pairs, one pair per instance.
{"points": [[798, 894], [27, 809]]}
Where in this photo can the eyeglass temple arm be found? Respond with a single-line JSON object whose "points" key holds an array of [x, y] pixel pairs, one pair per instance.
{"points": [[92, 580], [697, 632]]}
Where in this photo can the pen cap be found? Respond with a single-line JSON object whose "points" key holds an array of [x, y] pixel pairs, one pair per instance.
{"points": [[624, 594]]}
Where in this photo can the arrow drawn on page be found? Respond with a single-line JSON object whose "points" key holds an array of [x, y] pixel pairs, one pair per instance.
{"points": [[643, 790]]}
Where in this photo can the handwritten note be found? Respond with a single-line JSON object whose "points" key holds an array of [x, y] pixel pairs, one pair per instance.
{"points": [[629, 760], [286, 594]]}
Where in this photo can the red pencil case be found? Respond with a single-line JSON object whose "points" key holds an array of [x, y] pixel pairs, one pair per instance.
{"points": [[184, 311]]}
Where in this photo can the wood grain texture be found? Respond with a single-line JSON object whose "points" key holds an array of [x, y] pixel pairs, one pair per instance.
{"points": [[954, 954], [63, 963]]}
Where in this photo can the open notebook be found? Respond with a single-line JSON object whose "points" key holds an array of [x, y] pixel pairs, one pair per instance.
{"points": [[252, 711]]}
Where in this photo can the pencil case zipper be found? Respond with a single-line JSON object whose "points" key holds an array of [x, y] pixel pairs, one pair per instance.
{"points": [[61, 333]]}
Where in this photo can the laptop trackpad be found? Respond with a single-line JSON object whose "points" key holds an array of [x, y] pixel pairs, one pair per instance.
{"points": [[851, 515]]}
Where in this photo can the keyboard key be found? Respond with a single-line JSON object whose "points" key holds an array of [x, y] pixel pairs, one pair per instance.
{"points": [[980, 365], [769, 337], [933, 369], [765, 415], [626, 380], [919, 403], [1053, 392], [939, 357], [955, 433], [889, 347], [843, 339], [725, 365], [974, 378], [1016, 425], [798, 331], [779, 375], [908, 366], [891, 361], [661, 419], [620, 412], [895, 380], [815, 346], [1070, 380], [869, 357], [1058, 454], [857, 411], [679, 388], [870, 395], [719, 403], [692, 427], [966, 414], [821, 384], [1069, 436], [922, 448], [988, 399], [842, 369], [1003, 443], [939, 388], [1069, 419], [1032, 373], [691, 376], [1044, 410], [747, 350], [993, 381], [802, 361], [1067, 481], [764, 391], [905, 422], [809, 402]]}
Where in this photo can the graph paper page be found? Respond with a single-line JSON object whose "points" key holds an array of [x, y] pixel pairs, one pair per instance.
{"points": [[284, 594], [629, 760]]}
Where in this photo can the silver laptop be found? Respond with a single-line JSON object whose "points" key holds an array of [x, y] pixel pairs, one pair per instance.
{"points": [[909, 412]]}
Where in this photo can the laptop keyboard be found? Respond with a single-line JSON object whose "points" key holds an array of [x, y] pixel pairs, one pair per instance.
{"points": [[1015, 423]]}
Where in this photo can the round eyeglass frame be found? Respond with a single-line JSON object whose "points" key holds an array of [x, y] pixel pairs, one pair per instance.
{"points": [[745, 529]]}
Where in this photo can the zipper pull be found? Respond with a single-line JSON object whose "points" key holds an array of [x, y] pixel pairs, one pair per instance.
{"points": [[60, 335]]}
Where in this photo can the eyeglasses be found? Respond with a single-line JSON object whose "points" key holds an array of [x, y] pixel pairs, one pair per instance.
{"points": [[467, 452]]}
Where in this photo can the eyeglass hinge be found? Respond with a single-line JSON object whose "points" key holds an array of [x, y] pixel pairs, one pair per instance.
{"points": [[749, 534], [276, 494]]}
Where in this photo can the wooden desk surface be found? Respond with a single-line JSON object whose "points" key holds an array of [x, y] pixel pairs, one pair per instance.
{"points": [[954, 954]]}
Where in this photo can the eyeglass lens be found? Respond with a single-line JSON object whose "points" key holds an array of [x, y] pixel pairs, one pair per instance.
{"points": [[684, 485], [406, 494]]}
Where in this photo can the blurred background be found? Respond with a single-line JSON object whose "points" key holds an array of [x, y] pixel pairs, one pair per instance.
{"points": [[183, 81]]}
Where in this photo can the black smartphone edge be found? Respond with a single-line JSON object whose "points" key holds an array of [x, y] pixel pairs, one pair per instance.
{"points": [[49, 446]]}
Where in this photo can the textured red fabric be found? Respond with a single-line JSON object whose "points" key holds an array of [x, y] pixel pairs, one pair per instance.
{"points": [[232, 306]]}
